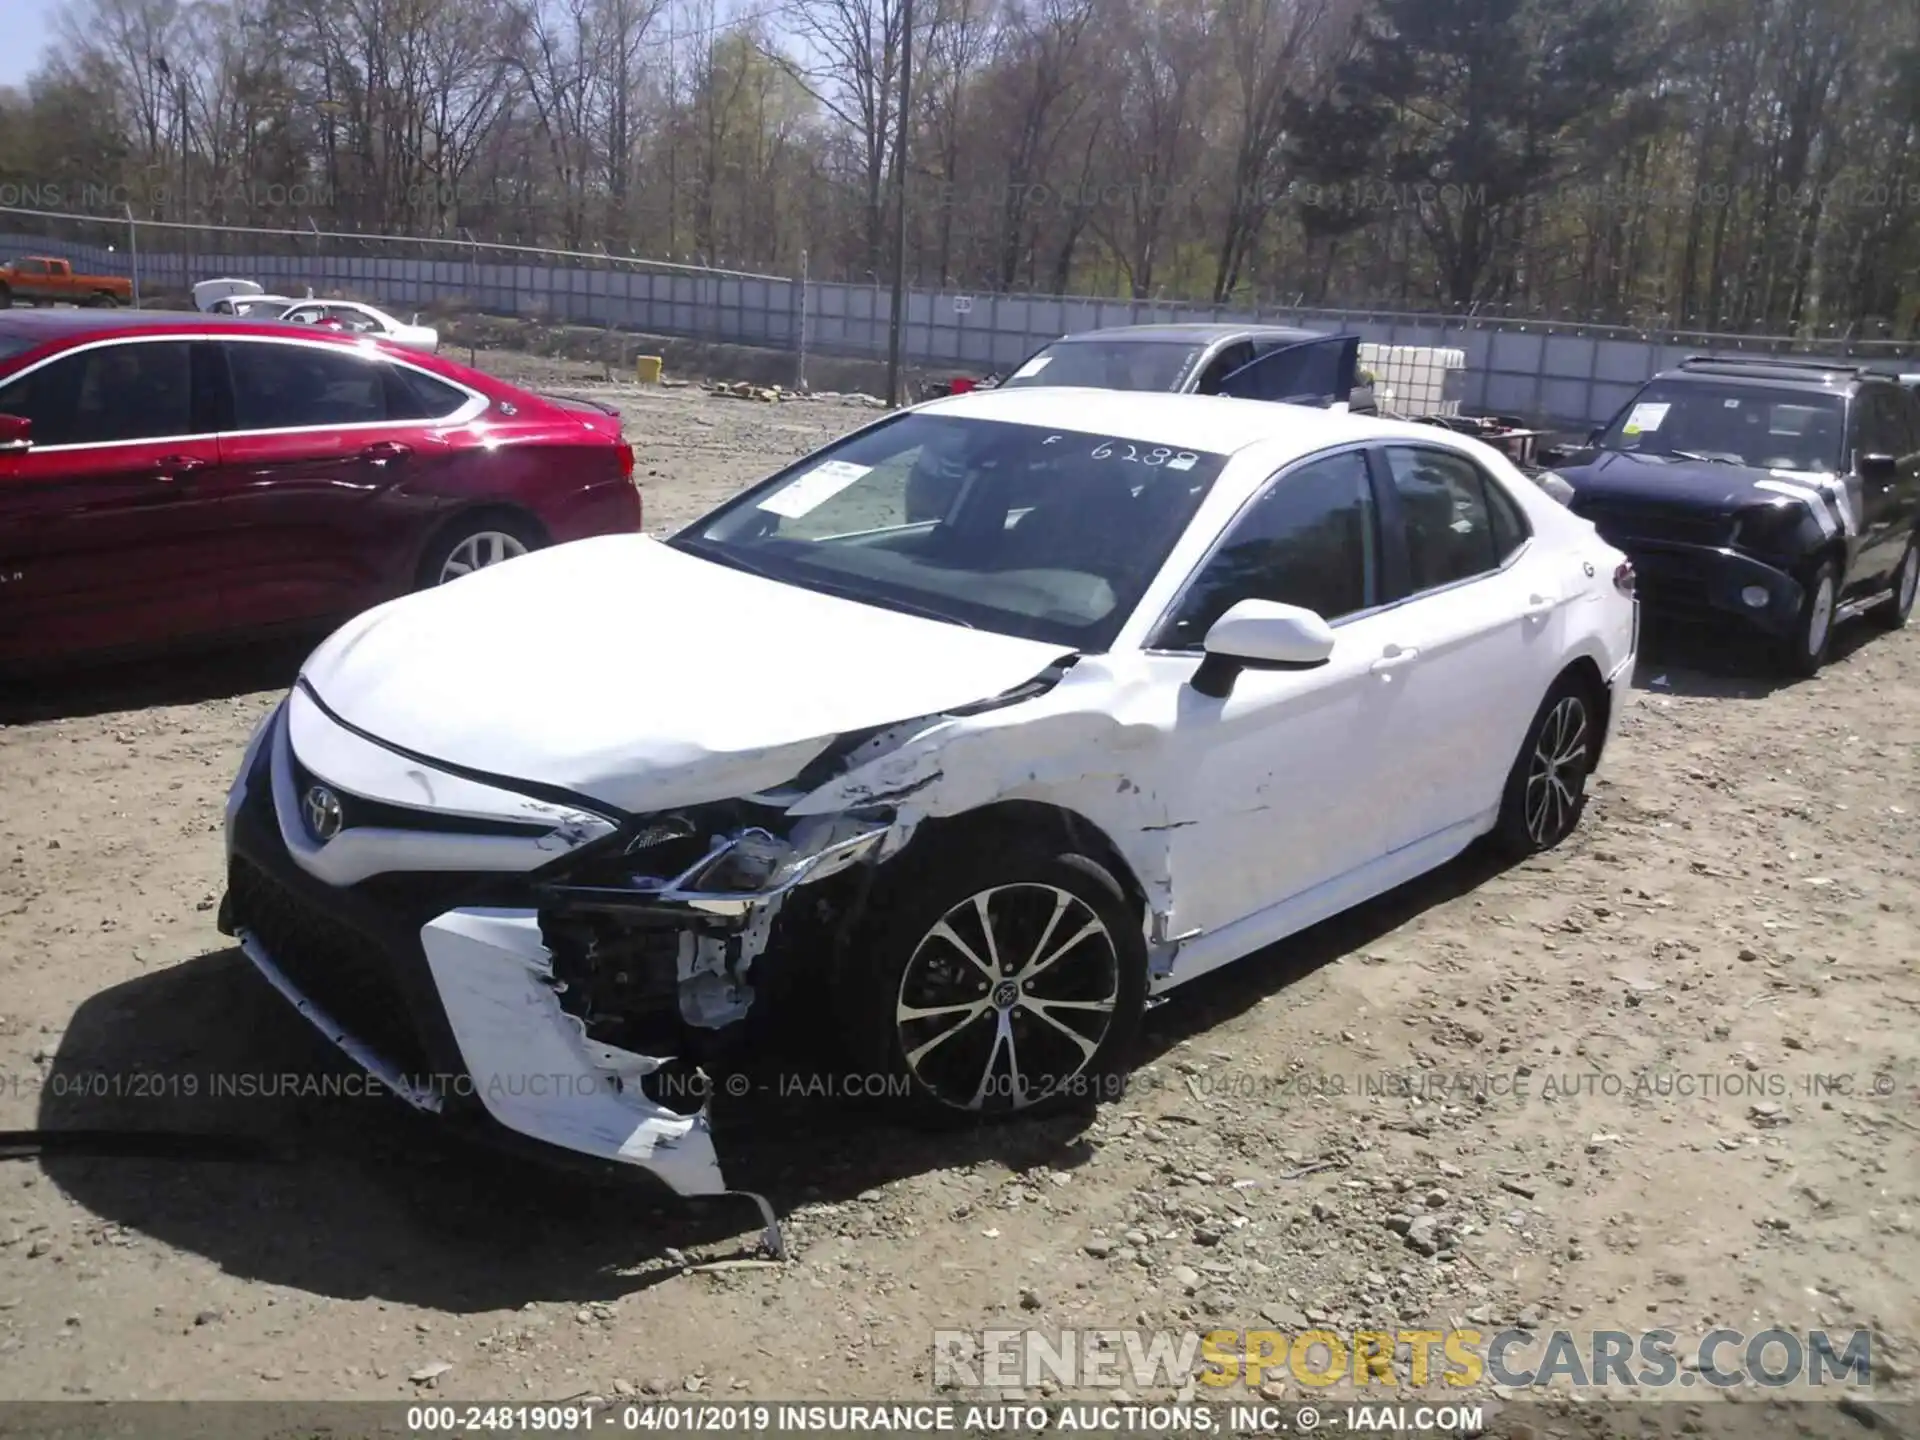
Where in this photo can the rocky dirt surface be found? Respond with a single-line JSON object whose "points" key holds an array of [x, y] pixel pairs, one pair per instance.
{"points": [[1668, 1076]]}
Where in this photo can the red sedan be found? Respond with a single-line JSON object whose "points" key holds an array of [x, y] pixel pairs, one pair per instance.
{"points": [[170, 476]]}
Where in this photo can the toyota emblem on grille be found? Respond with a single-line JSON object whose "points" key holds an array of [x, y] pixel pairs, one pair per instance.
{"points": [[324, 815]]}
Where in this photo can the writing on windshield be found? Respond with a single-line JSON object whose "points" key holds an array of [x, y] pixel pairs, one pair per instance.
{"points": [[1045, 533]]}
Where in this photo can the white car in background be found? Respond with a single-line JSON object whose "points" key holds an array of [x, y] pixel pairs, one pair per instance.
{"points": [[358, 319], [247, 298], [1167, 678]]}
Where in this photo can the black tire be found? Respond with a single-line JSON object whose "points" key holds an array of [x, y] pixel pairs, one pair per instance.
{"points": [[1906, 583], [439, 555], [1804, 649], [6, 298], [1546, 791], [1039, 892], [106, 301]]}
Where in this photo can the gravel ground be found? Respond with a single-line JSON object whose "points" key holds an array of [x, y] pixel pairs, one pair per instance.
{"points": [[1665, 1077]]}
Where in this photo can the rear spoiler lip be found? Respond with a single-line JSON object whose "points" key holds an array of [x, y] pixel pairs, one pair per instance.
{"points": [[601, 405]]}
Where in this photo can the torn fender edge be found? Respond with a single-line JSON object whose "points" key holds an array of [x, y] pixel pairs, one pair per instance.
{"points": [[943, 766]]}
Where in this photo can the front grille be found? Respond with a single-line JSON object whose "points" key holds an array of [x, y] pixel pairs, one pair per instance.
{"points": [[359, 812], [1621, 523], [329, 962], [1672, 592]]}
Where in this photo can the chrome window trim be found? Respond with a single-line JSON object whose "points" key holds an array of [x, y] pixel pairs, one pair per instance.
{"points": [[476, 404]]}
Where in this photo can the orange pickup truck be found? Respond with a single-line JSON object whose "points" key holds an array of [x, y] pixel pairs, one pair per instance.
{"points": [[40, 278]]}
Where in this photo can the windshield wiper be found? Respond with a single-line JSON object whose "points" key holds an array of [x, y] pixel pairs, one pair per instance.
{"points": [[1704, 459], [884, 602], [737, 562]]}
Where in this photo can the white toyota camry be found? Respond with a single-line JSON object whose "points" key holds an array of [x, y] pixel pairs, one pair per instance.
{"points": [[997, 717]]}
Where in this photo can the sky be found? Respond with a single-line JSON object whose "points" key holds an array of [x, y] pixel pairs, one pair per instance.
{"points": [[26, 29]]}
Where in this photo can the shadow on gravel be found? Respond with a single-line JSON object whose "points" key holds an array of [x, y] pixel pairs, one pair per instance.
{"points": [[184, 679], [1725, 662], [370, 1199]]}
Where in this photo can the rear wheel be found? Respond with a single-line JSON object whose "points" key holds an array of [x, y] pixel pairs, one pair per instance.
{"points": [[6, 298], [1804, 650], [1547, 788], [477, 543], [1906, 581]]}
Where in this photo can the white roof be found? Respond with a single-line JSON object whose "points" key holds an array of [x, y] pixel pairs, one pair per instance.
{"points": [[1214, 423]]}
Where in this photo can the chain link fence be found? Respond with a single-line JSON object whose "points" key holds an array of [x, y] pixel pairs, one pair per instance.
{"points": [[1562, 373]]}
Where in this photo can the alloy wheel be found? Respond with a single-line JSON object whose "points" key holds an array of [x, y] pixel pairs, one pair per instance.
{"points": [[479, 550], [1556, 772], [1007, 998], [1909, 580], [1820, 616]]}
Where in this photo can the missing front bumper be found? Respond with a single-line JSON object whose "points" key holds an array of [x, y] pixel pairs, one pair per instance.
{"points": [[529, 1065]]}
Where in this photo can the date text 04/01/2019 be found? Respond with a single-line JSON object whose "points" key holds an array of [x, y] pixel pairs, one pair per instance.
{"points": [[900, 1419]]}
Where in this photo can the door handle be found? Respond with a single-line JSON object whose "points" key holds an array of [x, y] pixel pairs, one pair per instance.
{"points": [[1394, 657], [172, 467], [1538, 607], [381, 451]]}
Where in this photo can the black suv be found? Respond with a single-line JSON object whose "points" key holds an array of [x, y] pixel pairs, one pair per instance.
{"points": [[1783, 492]]}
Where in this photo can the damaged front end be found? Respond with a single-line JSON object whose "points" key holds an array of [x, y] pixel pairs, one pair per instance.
{"points": [[657, 930], [584, 995]]}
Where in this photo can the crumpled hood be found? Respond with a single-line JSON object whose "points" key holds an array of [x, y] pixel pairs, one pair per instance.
{"points": [[1618, 475], [637, 675]]}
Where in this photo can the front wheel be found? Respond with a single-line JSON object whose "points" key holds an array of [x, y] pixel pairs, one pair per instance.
{"points": [[1546, 790], [1805, 647], [1906, 581], [1004, 978]]}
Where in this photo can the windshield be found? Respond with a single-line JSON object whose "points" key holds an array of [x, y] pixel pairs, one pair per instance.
{"points": [[1734, 424], [1050, 535], [1109, 365]]}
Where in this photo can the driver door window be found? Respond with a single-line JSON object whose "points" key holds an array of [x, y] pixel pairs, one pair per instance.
{"points": [[1311, 539]]}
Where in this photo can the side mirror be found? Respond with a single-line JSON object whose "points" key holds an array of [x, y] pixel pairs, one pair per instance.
{"points": [[1261, 635], [16, 434], [1879, 467], [1593, 435]]}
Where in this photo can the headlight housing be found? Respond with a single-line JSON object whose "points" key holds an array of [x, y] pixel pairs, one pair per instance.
{"points": [[1555, 484]]}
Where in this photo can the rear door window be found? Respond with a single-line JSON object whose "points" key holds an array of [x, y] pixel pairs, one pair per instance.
{"points": [[306, 386], [1447, 518]]}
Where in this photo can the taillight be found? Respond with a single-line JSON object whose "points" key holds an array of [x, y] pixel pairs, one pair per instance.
{"points": [[626, 461], [1623, 577]]}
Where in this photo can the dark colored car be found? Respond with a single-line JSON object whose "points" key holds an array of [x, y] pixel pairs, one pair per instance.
{"points": [[1785, 493], [165, 477], [1256, 362]]}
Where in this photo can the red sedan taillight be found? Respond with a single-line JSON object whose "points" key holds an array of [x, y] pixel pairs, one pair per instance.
{"points": [[1623, 577], [626, 462]]}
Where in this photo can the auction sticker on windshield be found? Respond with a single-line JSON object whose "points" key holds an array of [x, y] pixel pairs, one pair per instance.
{"points": [[1646, 417], [813, 489]]}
